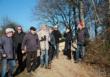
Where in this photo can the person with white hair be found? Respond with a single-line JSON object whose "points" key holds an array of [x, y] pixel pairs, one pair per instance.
{"points": [[8, 53]]}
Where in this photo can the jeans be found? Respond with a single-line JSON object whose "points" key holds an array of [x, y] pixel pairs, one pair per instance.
{"points": [[80, 52], [44, 57], [11, 63], [57, 50]]}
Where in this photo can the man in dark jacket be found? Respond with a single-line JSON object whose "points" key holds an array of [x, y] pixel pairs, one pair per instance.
{"points": [[18, 38], [57, 36], [30, 45], [8, 54], [68, 43], [82, 37]]}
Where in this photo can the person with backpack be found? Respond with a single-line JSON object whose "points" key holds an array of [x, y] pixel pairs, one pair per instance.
{"points": [[8, 53]]}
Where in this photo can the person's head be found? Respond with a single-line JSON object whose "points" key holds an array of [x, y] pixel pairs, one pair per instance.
{"points": [[9, 32], [68, 29], [19, 29], [81, 25], [56, 27], [33, 30], [51, 29], [44, 27]]}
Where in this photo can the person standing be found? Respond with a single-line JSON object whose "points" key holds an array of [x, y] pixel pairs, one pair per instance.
{"points": [[51, 46], [68, 43], [57, 36], [82, 37], [30, 46], [18, 38], [8, 53], [44, 43]]}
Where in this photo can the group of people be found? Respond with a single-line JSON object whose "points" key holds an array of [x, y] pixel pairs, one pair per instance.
{"points": [[18, 48], [81, 40], [15, 45]]}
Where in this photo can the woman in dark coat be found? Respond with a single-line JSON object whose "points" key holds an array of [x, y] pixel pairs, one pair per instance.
{"points": [[68, 42]]}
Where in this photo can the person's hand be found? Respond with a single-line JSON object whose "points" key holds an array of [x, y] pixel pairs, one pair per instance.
{"points": [[4, 55], [38, 52], [23, 51], [59, 38]]}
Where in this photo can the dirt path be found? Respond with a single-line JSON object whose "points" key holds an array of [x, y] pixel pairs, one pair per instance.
{"points": [[64, 68]]}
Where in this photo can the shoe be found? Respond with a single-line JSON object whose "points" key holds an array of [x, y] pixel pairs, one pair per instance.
{"points": [[49, 66], [41, 65], [76, 61]]}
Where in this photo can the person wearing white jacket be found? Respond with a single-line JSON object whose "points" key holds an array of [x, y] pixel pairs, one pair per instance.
{"points": [[44, 45]]}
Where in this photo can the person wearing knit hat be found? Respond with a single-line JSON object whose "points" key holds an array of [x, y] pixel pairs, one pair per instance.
{"points": [[8, 53]]}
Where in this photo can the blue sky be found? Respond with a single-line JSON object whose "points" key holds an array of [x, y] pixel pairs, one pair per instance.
{"points": [[19, 11]]}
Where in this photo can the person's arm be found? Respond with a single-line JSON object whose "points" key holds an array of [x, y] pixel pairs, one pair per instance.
{"points": [[1, 45], [24, 44], [38, 41]]}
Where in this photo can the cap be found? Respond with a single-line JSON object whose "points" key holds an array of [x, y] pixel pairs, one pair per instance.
{"points": [[33, 28]]}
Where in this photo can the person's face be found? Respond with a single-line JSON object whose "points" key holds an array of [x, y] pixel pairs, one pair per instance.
{"points": [[33, 32], [19, 29], [50, 30], [80, 27], [9, 34], [67, 30]]}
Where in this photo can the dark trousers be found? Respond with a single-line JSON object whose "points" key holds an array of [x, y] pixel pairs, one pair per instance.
{"points": [[31, 61], [51, 53], [69, 53], [19, 56]]}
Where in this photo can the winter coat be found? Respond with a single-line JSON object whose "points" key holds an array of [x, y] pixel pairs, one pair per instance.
{"points": [[68, 40], [18, 39], [7, 47], [82, 36], [31, 41], [44, 39], [57, 35]]}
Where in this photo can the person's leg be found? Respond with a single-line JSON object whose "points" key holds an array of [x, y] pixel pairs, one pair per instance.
{"points": [[69, 53], [12, 65], [46, 58], [42, 58], [78, 53], [83, 52], [57, 50], [34, 60], [28, 62], [4, 68], [20, 61]]}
